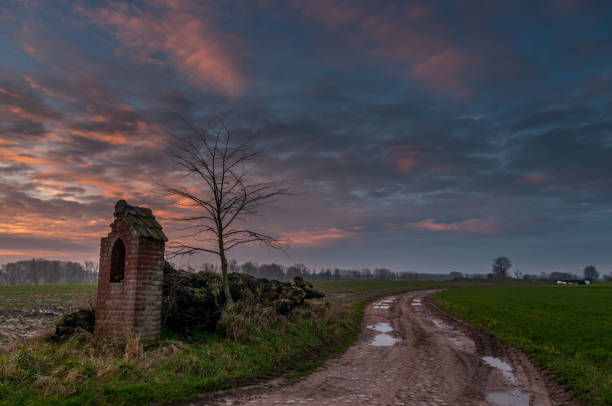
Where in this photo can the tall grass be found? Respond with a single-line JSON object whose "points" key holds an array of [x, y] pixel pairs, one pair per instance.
{"points": [[253, 343]]}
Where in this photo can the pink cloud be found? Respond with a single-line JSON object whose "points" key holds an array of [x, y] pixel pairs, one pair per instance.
{"points": [[404, 157], [339, 159], [470, 225], [537, 178], [188, 41], [409, 158], [443, 71], [408, 36], [316, 237]]}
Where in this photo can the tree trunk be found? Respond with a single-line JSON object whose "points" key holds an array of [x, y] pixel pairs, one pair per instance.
{"points": [[226, 288]]}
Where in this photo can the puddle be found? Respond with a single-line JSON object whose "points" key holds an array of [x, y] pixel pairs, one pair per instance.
{"points": [[438, 323], [383, 304], [510, 398], [380, 306], [382, 327], [454, 341], [416, 302], [504, 367], [384, 340]]}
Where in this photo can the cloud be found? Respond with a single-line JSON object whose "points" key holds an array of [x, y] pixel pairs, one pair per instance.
{"points": [[332, 13], [404, 157], [470, 226], [408, 36], [537, 178], [389, 118], [443, 71], [188, 41], [317, 237]]}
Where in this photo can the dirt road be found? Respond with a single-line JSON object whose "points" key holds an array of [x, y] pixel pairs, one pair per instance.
{"points": [[410, 353]]}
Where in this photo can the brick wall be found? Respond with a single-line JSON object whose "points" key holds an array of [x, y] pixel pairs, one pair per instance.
{"points": [[132, 306]]}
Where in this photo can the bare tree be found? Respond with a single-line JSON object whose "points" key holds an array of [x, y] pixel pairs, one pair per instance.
{"points": [[591, 273], [500, 268], [226, 194]]}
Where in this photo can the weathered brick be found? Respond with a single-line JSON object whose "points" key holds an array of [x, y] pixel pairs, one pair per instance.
{"points": [[134, 304]]}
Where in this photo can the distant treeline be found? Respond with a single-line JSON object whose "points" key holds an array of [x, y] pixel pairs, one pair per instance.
{"points": [[286, 273], [562, 276], [43, 271]]}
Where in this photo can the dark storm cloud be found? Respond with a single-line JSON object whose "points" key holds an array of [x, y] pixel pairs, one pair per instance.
{"points": [[42, 245], [468, 127]]}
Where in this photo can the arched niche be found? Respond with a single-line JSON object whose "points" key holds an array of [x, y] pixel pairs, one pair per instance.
{"points": [[117, 270]]}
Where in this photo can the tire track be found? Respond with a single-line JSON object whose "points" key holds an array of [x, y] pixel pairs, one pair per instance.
{"points": [[411, 353]]}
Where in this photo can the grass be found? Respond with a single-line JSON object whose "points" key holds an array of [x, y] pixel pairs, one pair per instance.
{"points": [[90, 371], [59, 289], [567, 329], [26, 297]]}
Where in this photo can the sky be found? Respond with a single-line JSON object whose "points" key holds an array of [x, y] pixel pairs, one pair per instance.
{"points": [[425, 136]]}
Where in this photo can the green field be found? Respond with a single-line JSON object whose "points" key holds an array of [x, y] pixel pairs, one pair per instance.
{"points": [[567, 329], [45, 296], [59, 289]]}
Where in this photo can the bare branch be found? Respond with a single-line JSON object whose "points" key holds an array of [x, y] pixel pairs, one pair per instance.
{"points": [[222, 167], [179, 249]]}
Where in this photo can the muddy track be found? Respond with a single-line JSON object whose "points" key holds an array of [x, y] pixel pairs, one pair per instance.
{"points": [[412, 353]]}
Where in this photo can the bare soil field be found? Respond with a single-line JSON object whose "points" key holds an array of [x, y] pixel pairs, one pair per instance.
{"points": [[24, 315], [411, 353]]}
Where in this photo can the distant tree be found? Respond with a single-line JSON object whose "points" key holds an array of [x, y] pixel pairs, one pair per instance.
{"points": [[560, 276], [608, 277], [383, 274], [250, 268], [517, 274], [40, 271], [208, 267], [591, 273], [233, 266], [92, 269], [4, 278], [224, 190], [297, 270], [271, 271], [500, 268]]}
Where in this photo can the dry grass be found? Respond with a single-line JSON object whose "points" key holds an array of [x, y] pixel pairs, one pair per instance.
{"points": [[254, 341]]}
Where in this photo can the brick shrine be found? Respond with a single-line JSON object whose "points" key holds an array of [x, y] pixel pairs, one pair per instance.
{"points": [[130, 279]]}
